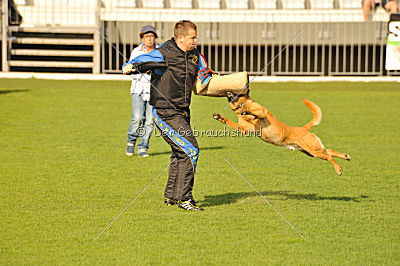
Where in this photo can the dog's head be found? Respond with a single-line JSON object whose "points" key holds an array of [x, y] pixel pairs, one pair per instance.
{"points": [[237, 101]]}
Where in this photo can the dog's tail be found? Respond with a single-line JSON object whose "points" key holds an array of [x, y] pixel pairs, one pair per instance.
{"points": [[317, 114]]}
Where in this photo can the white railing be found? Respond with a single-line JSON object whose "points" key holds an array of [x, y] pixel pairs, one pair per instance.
{"points": [[218, 15], [83, 13]]}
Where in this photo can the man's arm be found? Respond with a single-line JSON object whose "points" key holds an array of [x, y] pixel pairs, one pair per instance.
{"points": [[144, 62], [204, 73]]}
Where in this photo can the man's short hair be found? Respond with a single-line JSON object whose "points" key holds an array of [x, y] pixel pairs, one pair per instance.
{"points": [[182, 28]]}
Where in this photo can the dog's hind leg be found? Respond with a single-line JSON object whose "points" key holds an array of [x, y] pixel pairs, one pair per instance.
{"points": [[323, 154], [312, 144], [344, 156]]}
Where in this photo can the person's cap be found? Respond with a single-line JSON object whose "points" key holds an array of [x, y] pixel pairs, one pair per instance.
{"points": [[148, 28]]}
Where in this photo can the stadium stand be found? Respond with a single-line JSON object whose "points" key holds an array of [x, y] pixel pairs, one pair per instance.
{"points": [[264, 4], [236, 4], [335, 29], [209, 4], [351, 4], [180, 4], [152, 4], [293, 4], [125, 4], [322, 4]]}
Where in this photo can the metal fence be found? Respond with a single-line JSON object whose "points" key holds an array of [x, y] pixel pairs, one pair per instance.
{"points": [[325, 49]]}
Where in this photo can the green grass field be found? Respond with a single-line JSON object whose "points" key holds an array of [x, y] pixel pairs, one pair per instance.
{"points": [[64, 176]]}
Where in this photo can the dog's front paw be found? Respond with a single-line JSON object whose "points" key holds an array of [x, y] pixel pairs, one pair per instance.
{"points": [[347, 157], [219, 118]]}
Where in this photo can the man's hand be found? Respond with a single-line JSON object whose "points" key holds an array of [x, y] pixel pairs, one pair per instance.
{"points": [[128, 69]]}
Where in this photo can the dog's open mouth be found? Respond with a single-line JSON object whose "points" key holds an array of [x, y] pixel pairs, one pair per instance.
{"points": [[232, 97], [240, 106], [237, 107]]}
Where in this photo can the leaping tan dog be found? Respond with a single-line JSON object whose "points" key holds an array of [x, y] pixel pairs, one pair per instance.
{"points": [[254, 117]]}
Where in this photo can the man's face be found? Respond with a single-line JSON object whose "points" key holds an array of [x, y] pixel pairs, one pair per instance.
{"points": [[188, 42]]}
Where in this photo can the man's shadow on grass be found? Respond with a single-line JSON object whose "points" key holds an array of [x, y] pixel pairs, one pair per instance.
{"points": [[11, 91], [229, 198], [201, 149]]}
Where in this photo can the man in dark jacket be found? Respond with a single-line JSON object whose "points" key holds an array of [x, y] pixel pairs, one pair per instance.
{"points": [[175, 65]]}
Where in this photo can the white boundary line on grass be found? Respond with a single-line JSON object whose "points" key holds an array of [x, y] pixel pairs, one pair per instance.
{"points": [[70, 76]]}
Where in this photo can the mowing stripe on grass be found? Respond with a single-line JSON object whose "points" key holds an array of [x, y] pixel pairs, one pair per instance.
{"points": [[132, 201], [265, 198]]}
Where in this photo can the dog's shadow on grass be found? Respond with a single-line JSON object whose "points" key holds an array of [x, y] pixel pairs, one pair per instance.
{"points": [[202, 148], [230, 198], [11, 91]]}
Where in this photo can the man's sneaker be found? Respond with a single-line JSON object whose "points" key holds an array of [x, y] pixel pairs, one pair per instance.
{"points": [[130, 149], [143, 152], [194, 203], [170, 202], [188, 205]]}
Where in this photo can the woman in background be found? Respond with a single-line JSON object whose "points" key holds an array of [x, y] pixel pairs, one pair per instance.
{"points": [[141, 125]]}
